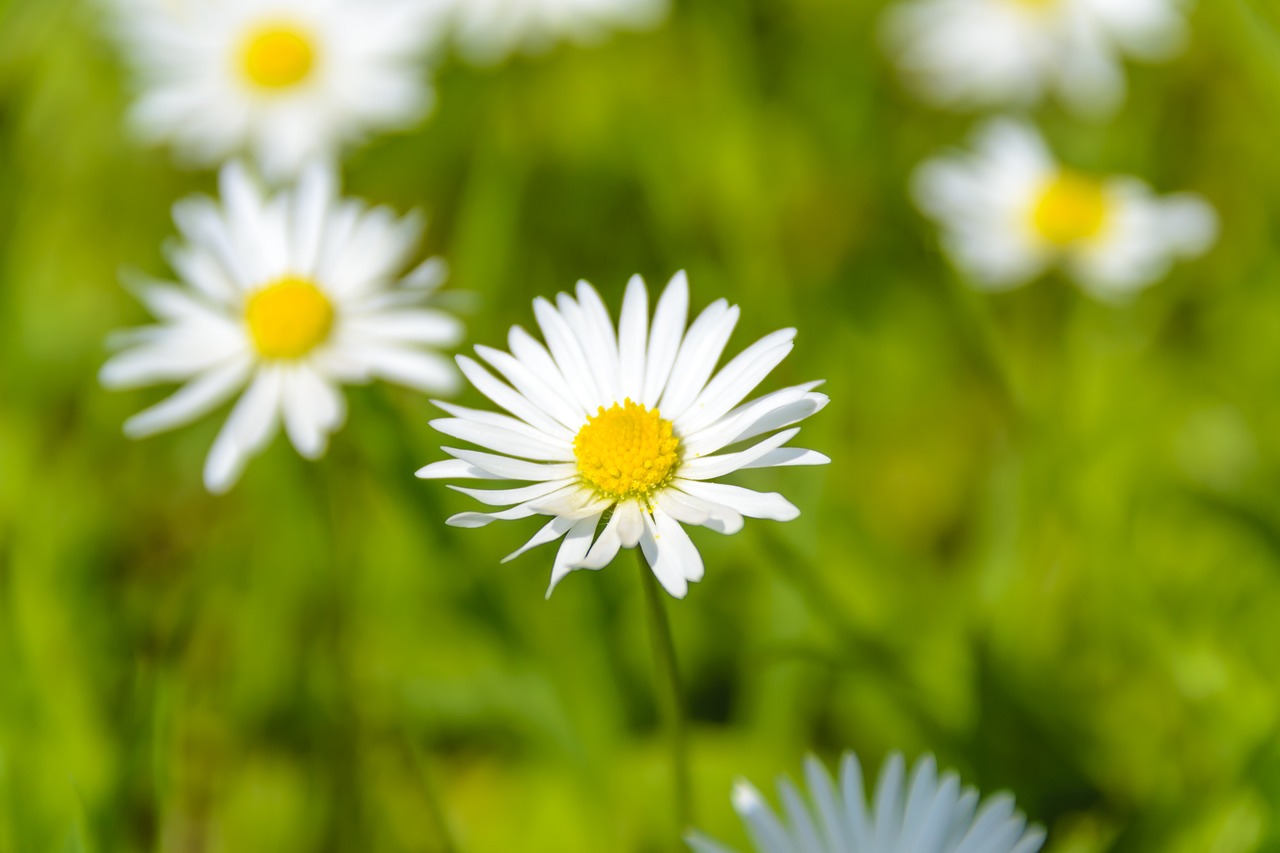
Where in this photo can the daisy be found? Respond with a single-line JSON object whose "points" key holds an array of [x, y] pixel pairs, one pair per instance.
{"points": [[925, 813], [286, 296], [490, 30], [622, 433], [286, 81], [994, 52], [1009, 211]]}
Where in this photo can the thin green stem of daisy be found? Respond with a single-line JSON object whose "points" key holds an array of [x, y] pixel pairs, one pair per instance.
{"points": [[435, 802], [667, 674]]}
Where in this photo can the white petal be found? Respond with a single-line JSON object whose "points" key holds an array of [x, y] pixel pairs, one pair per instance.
{"points": [[789, 456], [424, 371], [858, 821], [569, 355], [599, 362], [553, 530], [767, 505], [249, 427], [536, 391], [774, 411], [575, 546], [606, 546], [603, 339], [514, 469], [663, 556], [198, 397], [410, 325], [506, 497], [698, 357], [312, 409], [803, 829], [535, 357], [738, 379], [766, 832], [824, 799], [711, 467], [633, 326], [507, 397], [630, 523], [664, 340], [525, 443], [309, 210], [449, 469], [888, 803]]}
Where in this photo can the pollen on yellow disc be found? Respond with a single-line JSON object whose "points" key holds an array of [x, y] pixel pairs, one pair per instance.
{"points": [[278, 57], [627, 451], [288, 318], [1071, 208]]}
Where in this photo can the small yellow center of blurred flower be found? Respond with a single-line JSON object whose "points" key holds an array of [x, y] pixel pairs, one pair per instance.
{"points": [[288, 318], [277, 57], [1071, 208], [1036, 5], [626, 451]]}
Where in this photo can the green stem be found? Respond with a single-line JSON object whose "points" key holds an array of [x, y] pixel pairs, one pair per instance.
{"points": [[434, 801], [667, 675]]}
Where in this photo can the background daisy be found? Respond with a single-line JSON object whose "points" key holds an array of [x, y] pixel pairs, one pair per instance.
{"points": [[629, 427], [286, 81], [284, 297], [490, 30], [992, 52], [920, 813], [1008, 212]]}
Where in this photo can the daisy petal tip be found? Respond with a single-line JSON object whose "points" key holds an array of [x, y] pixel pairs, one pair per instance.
{"points": [[745, 797]]}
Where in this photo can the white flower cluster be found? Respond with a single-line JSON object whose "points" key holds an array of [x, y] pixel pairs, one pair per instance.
{"points": [[288, 293], [1008, 210], [618, 433]]}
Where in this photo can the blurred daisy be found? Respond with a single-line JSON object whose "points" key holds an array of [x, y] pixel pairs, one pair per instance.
{"points": [[1008, 212], [286, 81], [628, 427], [923, 813], [490, 30], [992, 52], [289, 295]]}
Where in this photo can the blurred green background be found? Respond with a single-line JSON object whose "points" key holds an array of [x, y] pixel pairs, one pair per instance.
{"points": [[1048, 548]]}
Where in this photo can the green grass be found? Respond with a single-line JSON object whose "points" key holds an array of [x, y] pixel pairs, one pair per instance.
{"points": [[1048, 547]]}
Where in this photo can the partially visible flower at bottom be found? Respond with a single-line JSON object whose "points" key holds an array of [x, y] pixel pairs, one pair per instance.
{"points": [[920, 813]]}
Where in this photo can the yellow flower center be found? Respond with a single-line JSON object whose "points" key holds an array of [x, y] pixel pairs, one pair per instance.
{"points": [[278, 56], [626, 451], [1035, 5], [1071, 208], [288, 318]]}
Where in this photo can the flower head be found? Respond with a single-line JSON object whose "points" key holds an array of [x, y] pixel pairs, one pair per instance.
{"points": [[490, 30], [622, 431], [288, 295], [1002, 52], [923, 813], [1009, 212], [286, 81]]}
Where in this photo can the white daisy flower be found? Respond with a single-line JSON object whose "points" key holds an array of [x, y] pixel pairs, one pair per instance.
{"points": [[289, 295], [490, 30], [1009, 212], [998, 52], [923, 813], [287, 81], [628, 427]]}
